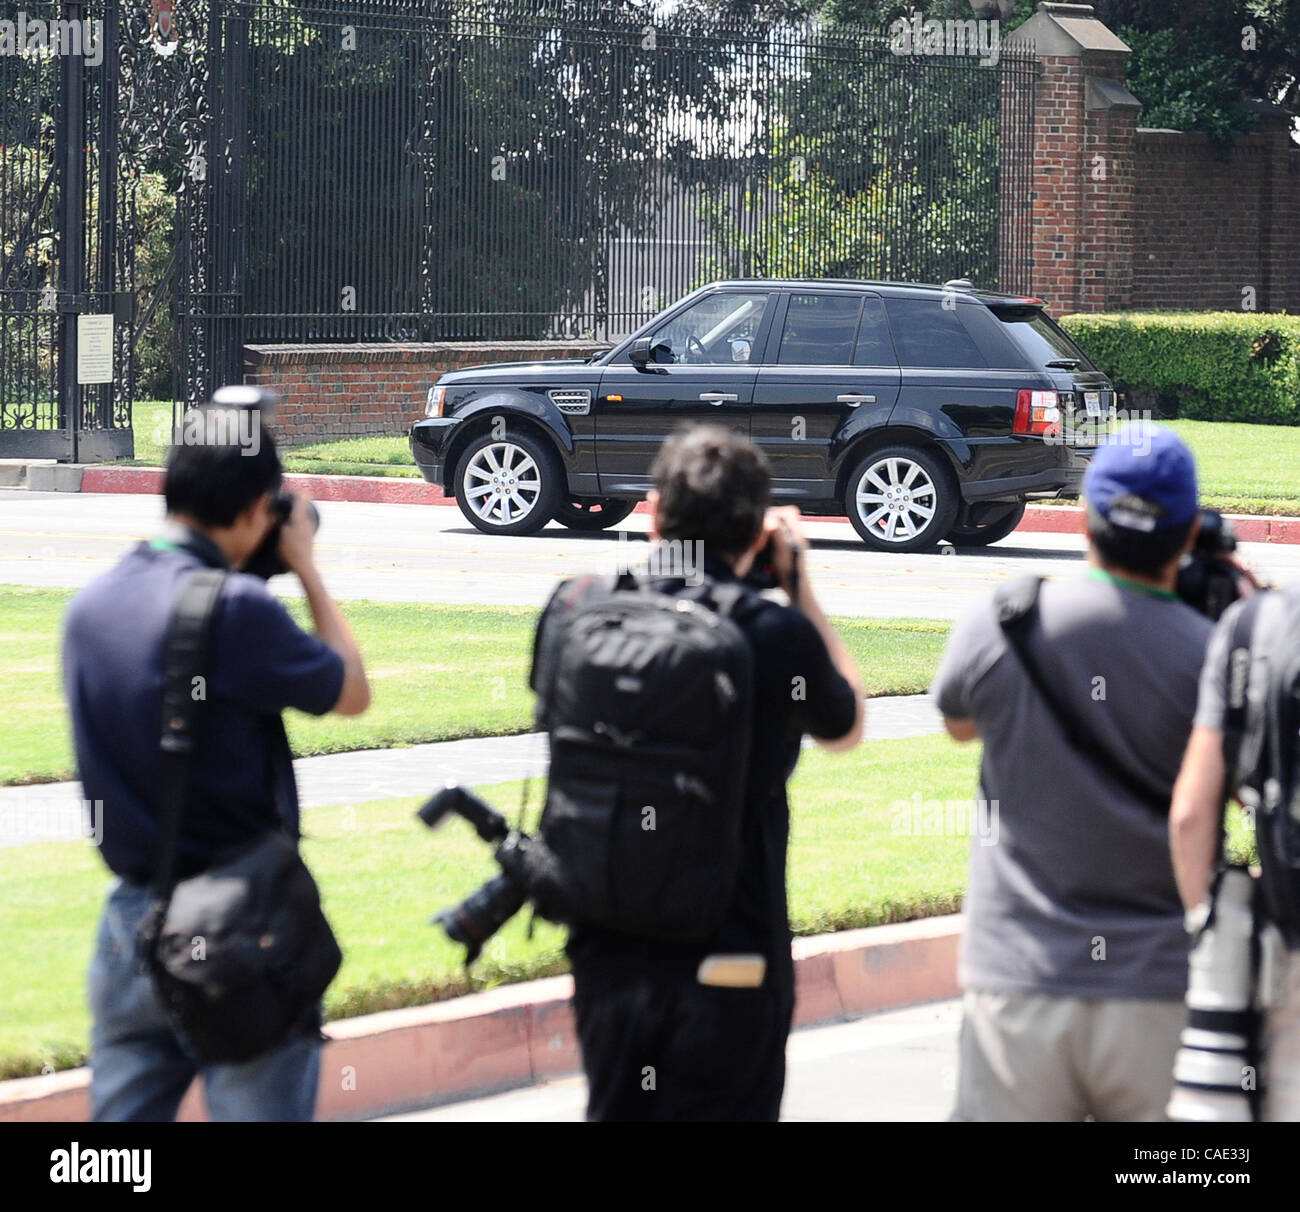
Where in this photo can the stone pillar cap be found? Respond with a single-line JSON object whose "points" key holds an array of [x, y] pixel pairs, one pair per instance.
{"points": [[1066, 31]]}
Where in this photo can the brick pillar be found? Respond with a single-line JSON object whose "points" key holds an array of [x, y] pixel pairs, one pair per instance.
{"points": [[1279, 215], [1083, 137]]}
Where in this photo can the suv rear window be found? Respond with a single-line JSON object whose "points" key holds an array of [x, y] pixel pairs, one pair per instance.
{"points": [[1039, 336], [928, 334]]}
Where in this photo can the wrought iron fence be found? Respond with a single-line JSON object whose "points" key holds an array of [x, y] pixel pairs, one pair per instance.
{"points": [[403, 169], [62, 213]]}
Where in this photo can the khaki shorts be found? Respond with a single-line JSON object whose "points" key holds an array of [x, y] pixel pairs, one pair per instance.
{"points": [[1038, 1057]]}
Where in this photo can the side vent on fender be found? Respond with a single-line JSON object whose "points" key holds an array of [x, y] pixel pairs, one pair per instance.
{"points": [[576, 401]]}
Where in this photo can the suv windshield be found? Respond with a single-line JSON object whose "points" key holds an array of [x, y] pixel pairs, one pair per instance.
{"points": [[1039, 336]]}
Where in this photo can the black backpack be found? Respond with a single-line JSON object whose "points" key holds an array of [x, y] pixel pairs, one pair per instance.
{"points": [[648, 701], [1262, 742]]}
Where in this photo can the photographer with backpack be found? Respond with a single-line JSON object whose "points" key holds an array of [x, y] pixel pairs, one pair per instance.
{"points": [[1245, 745], [676, 707]]}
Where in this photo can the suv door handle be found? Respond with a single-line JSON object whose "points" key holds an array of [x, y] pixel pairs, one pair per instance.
{"points": [[719, 397], [852, 399]]}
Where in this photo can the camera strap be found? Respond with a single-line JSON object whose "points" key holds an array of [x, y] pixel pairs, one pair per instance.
{"points": [[1017, 607], [185, 659]]}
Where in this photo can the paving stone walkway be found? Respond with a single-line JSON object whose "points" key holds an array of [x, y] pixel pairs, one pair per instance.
{"points": [[55, 811]]}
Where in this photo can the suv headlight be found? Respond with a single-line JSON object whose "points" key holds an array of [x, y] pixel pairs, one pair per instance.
{"points": [[433, 401]]}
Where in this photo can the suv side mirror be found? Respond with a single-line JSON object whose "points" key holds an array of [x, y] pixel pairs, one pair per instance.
{"points": [[640, 351]]}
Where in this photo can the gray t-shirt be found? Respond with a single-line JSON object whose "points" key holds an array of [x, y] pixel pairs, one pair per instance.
{"points": [[1071, 888]]}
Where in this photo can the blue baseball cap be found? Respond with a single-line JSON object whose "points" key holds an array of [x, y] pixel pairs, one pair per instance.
{"points": [[1142, 477]]}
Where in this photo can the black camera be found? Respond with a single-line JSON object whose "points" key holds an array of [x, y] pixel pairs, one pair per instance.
{"points": [[1206, 580], [265, 562], [762, 573], [526, 868]]}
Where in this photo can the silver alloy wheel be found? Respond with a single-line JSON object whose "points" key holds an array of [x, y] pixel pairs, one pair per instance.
{"points": [[895, 498], [502, 483]]}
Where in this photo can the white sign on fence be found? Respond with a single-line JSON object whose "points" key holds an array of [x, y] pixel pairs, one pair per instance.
{"points": [[94, 349]]}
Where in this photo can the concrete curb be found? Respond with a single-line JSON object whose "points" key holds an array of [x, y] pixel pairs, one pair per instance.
{"points": [[520, 1034], [381, 490]]}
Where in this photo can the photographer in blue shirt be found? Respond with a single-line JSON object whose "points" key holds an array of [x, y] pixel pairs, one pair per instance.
{"points": [[220, 510]]}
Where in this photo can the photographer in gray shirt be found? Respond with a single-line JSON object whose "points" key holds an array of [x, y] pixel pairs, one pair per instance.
{"points": [[1074, 957]]}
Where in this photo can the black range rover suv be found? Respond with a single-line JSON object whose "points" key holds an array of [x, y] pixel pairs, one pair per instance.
{"points": [[921, 412]]}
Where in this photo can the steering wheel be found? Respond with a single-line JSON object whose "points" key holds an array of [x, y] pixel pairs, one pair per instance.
{"points": [[693, 346]]}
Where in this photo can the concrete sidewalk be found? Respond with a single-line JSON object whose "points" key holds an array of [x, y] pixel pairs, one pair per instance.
{"points": [[894, 1066], [52, 812]]}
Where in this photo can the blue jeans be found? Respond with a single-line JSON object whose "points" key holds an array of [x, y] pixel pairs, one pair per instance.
{"points": [[140, 1067]]}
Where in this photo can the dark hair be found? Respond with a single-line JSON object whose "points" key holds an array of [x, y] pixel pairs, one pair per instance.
{"points": [[212, 476], [714, 487], [1144, 552]]}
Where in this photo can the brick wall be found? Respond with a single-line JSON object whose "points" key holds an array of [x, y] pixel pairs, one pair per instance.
{"points": [[360, 390], [1204, 228]]}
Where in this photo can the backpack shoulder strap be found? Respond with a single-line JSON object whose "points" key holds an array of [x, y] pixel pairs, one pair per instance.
{"points": [[184, 660], [1017, 607]]}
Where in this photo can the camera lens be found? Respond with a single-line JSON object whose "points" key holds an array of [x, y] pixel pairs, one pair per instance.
{"points": [[481, 914]]}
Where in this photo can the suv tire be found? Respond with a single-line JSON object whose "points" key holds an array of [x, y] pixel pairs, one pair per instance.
{"points": [[508, 485], [592, 513], [983, 533], [901, 498]]}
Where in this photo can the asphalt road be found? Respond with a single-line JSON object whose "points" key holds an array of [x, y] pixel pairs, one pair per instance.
{"points": [[430, 553]]}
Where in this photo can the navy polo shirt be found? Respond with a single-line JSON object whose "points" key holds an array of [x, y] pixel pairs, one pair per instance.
{"points": [[259, 662]]}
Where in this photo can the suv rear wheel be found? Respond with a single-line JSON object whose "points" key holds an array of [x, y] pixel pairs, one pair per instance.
{"points": [[508, 485], [592, 513], [901, 498], [992, 524]]}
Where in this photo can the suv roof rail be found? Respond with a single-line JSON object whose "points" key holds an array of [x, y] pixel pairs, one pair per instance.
{"points": [[959, 284]]}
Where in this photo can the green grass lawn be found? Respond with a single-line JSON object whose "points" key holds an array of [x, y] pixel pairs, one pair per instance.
{"points": [[382, 875], [437, 672], [354, 457], [1246, 468]]}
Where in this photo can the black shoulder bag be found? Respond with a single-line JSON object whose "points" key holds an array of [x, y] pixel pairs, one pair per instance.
{"points": [[1017, 604], [241, 953]]}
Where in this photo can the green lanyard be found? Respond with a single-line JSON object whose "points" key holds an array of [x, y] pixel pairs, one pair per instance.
{"points": [[1100, 574]]}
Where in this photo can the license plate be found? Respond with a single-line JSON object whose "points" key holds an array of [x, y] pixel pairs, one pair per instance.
{"points": [[1092, 403]]}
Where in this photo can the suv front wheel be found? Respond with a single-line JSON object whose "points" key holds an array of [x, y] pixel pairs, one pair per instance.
{"points": [[508, 485], [901, 498]]}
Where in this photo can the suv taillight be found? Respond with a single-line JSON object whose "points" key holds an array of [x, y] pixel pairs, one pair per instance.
{"points": [[1037, 412]]}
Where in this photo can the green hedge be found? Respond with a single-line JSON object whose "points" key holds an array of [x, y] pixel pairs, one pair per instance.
{"points": [[1205, 366]]}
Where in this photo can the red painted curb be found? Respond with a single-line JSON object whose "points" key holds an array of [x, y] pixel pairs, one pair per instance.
{"points": [[519, 1034], [382, 490]]}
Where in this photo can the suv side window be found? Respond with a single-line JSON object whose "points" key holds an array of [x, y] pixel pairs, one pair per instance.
{"points": [[819, 330], [929, 334], [874, 346], [717, 328]]}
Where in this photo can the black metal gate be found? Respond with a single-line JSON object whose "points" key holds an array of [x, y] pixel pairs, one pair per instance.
{"points": [[433, 170], [66, 299]]}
